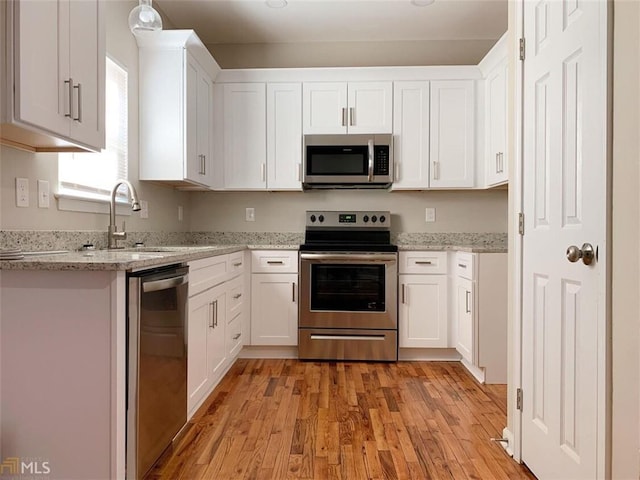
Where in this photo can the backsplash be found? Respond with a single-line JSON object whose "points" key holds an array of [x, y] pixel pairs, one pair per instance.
{"points": [[39, 240]]}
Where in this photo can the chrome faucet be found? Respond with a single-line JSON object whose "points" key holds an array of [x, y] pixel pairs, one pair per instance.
{"points": [[114, 234]]}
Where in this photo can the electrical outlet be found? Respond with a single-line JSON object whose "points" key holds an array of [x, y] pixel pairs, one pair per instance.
{"points": [[144, 209], [250, 214], [180, 213], [22, 192], [430, 214], [43, 194]]}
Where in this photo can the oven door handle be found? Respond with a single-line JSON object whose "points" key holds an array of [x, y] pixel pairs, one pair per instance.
{"points": [[350, 257]]}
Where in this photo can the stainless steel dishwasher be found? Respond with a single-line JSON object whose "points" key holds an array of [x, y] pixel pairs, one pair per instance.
{"points": [[156, 363]]}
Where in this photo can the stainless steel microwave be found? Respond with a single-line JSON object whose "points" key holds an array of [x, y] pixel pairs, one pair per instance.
{"points": [[348, 161]]}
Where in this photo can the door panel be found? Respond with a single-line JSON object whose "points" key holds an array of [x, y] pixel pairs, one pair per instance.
{"points": [[565, 203]]}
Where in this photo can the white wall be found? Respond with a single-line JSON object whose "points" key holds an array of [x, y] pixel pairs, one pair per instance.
{"points": [[456, 211], [163, 201]]}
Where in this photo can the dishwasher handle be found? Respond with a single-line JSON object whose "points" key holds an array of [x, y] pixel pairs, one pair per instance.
{"points": [[164, 284]]}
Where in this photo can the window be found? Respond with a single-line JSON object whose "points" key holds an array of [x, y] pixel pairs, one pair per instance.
{"points": [[91, 176]]}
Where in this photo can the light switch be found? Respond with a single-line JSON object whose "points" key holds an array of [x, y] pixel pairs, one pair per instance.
{"points": [[430, 214], [43, 194]]}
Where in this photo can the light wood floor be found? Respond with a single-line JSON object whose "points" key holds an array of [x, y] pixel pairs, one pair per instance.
{"points": [[280, 419]]}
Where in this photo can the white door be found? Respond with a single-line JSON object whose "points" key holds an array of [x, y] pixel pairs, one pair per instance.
{"points": [[274, 309], [564, 332]]}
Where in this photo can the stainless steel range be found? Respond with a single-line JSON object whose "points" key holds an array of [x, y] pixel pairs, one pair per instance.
{"points": [[348, 287]]}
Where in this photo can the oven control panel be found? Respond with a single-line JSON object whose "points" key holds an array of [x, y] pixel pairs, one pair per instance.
{"points": [[349, 218]]}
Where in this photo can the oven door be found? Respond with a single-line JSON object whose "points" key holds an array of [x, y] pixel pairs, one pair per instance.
{"points": [[348, 290]]}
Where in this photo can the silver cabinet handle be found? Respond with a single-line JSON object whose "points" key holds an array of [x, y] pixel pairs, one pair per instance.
{"points": [[424, 262], [370, 143], [275, 262], [436, 170], [299, 172], [237, 336], [263, 172], [211, 324], [70, 92], [467, 294], [239, 264], [214, 314], [293, 292], [352, 116], [344, 117], [462, 265], [403, 297], [237, 296], [78, 87]]}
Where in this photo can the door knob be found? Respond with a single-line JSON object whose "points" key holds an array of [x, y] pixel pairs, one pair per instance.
{"points": [[586, 253]]}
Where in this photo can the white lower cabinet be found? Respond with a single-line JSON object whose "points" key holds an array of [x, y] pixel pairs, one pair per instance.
{"points": [[215, 323], [481, 314], [274, 297], [422, 306]]}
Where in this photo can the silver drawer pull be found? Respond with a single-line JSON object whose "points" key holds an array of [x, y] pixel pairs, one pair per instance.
{"points": [[424, 262], [275, 262], [237, 336], [462, 265], [237, 296], [239, 264]]}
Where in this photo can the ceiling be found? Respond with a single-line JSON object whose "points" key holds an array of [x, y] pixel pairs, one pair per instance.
{"points": [[372, 32]]}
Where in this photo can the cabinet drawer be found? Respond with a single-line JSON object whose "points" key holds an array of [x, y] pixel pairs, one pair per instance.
{"points": [[464, 265], [274, 261], [234, 336], [206, 273], [236, 297], [235, 263], [423, 262]]}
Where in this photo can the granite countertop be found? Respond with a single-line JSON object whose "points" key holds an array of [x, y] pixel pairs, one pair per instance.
{"points": [[455, 248], [127, 259]]}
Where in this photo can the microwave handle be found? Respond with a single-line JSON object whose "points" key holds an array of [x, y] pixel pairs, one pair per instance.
{"points": [[371, 160]]}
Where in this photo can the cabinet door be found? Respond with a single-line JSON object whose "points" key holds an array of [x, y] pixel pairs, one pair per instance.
{"points": [[206, 343], [324, 107], [216, 337], [199, 319], [274, 309], [87, 69], [411, 135], [452, 134], [370, 107], [245, 136], [464, 317], [42, 98], [423, 311], [496, 92], [284, 136]]}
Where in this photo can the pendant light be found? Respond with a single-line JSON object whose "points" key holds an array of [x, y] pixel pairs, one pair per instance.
{"points": [[144, 18]]}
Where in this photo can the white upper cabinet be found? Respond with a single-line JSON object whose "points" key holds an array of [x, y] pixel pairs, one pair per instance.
{"points": [[176, 109], [495, 152], [284, 136], [340, 107], [411, 135], [55, 88], [452, 158], [243, 149]]}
